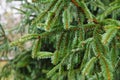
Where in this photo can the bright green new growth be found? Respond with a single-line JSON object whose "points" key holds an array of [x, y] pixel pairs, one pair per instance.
{"points": [[106, 68], [88, 66], [36, 48], [42, 55], [109, 35], [71, 40]]}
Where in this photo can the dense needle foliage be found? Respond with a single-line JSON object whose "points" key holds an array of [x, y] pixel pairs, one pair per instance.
{"points": [[71, 40]]}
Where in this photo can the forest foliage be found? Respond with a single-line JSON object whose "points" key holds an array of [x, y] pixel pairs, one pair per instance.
{"points": [[71, 40]]}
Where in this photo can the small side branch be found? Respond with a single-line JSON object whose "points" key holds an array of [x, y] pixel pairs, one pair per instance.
{"points": [[77, 5]]}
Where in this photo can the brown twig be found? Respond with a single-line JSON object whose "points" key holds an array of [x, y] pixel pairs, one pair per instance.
{"points": [[82, 10], [77, 5]]}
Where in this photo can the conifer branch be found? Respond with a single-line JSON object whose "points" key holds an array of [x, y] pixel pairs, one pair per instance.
{"points": [[77, 5]]}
